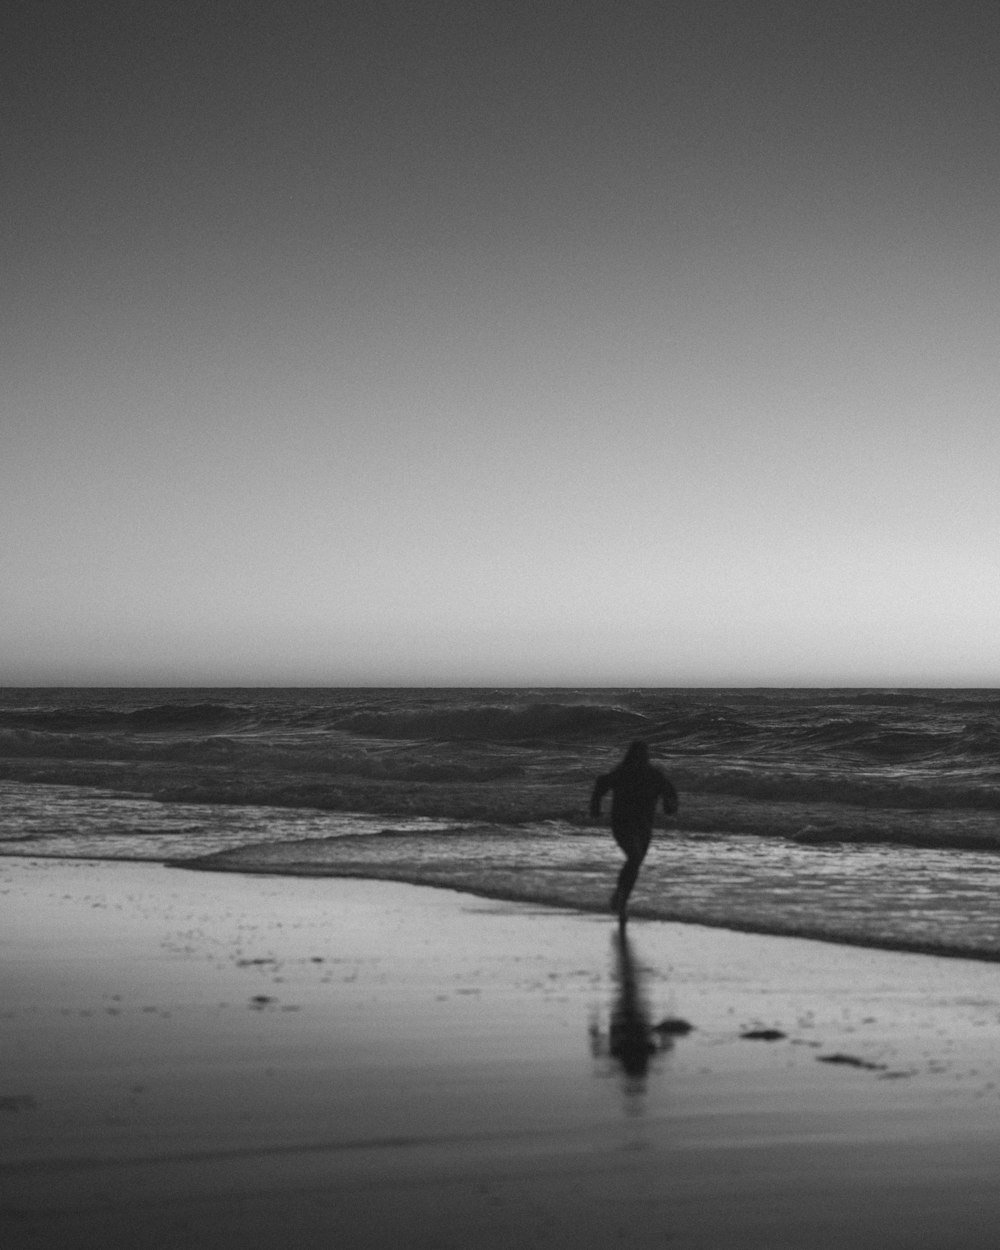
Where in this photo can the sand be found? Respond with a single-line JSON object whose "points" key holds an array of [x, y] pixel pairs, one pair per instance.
{"points": [[196, 1059]]}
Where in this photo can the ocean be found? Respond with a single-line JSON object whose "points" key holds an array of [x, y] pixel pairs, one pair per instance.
{"points": [[864, 816]]}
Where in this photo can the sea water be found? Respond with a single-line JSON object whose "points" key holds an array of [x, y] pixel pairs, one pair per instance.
{"points": [[863, 816]]}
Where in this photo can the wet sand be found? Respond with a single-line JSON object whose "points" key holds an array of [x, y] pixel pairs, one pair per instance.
{"points": [[196, 1059]]}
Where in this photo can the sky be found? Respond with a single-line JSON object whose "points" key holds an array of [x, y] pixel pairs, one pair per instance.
{"points": [[460, 343]]}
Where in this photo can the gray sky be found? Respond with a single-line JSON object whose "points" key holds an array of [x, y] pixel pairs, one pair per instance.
{"points": [[479, 343]]}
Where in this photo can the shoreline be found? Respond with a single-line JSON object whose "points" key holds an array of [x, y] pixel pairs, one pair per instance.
{"points": [[234, 861], [228, 1060], [540, 898]]}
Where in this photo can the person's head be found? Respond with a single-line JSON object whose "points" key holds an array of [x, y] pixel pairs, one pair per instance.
{"points": [[636, 755]]}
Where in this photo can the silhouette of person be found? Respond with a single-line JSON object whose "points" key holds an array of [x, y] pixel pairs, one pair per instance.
{"points": [[636, 786]]}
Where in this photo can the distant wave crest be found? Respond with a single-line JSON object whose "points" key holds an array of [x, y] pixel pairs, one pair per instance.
{"points": [[496, 721], [848, 739], [160, 717]]}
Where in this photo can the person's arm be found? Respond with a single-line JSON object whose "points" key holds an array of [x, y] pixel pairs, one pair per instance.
{"points": [[601, 786]]}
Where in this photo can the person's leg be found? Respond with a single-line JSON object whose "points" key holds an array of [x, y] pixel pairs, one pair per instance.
{"points": [[625, 845], [635, 846], [627, 877]]}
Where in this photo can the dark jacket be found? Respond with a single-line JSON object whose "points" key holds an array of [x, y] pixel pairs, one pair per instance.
{"points": [[636, 787]]}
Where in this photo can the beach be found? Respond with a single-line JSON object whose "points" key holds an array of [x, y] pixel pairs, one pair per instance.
{"points": [[208, 1059]]}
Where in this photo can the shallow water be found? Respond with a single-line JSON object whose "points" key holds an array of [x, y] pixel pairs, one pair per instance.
{"points": [[896, 897]]}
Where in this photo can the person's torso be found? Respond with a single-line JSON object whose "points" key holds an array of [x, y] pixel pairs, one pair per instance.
{"points": [[634, 793]]}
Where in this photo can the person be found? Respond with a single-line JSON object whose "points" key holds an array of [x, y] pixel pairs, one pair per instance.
{"points": [[636, 787]]}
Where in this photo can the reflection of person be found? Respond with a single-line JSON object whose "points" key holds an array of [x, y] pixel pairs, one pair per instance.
{"points": [[630, 1035], [636, 787], [631, 1040]]}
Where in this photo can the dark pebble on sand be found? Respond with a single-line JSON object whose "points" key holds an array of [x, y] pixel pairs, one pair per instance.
{"points": [[852, 1061], [763, 1035], [673, 1026], [17, 1102]]}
